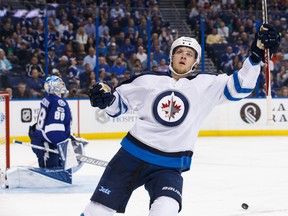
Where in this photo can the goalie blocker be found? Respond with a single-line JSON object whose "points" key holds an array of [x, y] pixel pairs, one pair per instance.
{"points": [[32, 177]]}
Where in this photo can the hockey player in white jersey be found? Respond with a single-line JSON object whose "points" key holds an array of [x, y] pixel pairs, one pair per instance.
{"points": [[170, 107]]}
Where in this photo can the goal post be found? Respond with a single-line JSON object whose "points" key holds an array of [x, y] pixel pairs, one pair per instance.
{"points": [[4, 131]]}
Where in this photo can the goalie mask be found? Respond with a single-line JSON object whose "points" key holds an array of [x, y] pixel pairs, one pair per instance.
{"points": [[55, 85], [186, 42]]}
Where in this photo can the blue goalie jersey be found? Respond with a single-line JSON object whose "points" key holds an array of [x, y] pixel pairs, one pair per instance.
{"points": [[54, 119]]}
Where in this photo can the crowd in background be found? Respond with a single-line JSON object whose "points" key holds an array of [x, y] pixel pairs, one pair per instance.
{"points": [[229, 29], [230, 26]]}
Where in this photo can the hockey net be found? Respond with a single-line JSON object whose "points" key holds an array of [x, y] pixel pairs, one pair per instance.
{"points": [[4, 132]]}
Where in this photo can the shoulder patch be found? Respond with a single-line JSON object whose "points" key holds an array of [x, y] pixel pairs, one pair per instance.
{"points": [[45, 102], [61, 102]]}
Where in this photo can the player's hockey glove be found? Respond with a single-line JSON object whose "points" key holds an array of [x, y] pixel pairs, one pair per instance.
{"points": [[33, 135], [266, 37], [101, 95]]}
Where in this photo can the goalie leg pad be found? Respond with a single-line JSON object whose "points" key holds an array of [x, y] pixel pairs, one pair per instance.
{"points": [[96, 209], [67, 154], [30, 177]]}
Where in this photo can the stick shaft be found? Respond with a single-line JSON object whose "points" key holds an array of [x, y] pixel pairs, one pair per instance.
{"points": [[267, 71], [81, 158]]}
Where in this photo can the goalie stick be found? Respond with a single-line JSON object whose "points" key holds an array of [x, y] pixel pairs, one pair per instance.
{"points": [[82, 158], [267, 72]]}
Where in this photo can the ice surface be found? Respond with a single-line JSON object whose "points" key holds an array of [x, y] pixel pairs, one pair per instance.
{"points": [[225, 172]]}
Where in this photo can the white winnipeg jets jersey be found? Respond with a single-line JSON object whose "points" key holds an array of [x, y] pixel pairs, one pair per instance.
{"points": [[170, 112]]}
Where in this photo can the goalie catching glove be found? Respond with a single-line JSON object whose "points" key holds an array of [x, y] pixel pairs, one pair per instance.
{"points": [[266, 37], [101, 95]]}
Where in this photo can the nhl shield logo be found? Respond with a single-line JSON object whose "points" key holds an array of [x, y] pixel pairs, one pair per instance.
{"points": [[170, 108]]}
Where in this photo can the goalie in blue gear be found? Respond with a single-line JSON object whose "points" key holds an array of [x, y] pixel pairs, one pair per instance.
{"points": [[51, 131]]}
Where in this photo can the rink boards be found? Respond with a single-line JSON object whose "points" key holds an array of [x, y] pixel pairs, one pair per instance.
{"points": [[242, 118]]}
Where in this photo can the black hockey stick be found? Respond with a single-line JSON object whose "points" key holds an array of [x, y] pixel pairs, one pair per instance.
{"points": [[82, 158]]}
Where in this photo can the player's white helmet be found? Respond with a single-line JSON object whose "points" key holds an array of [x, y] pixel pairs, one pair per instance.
{"points": [[55, 85], [186, 42]]}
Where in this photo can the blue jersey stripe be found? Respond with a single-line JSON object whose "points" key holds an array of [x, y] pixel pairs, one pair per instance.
{"points": [[237, 85], [238, 88], [183, 162]]}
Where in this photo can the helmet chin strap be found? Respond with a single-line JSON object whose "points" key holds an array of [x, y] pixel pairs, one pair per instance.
{"points": [[193, 67]]}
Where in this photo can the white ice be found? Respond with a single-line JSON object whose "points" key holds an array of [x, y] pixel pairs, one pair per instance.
{"points": [[225, 172]]}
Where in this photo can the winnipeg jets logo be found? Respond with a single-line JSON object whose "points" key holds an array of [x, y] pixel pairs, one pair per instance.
{"points": [[170, 108]]}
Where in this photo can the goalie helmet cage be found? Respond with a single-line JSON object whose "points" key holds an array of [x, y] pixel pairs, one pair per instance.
{"points": [[4, 131]]}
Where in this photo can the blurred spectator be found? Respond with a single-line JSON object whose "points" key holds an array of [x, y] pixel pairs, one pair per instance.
{"points": [[106, 37], [159, 54], [125, 76], [124, 60], [73, 74], [79, 64], [81, 36], [131, 28], [153, 62], [5, 67], [35, 84], [163, 67], [127, 48], [69, 35], [223, 31], [53, 35], [114, 81], [59, 47], [249, 27], [52, 58], [141, 55], [81, 52], [115, 29], [104, 75], [214, 38], [90, 28], [143, 30], [117, 11], [102, 27], [21, 91], [136, 70], [23, 55], [26, 38], [34, 64], [112, 54], [6, 31], [103, 64], [282, 75], [118, 68], [102, 48], [10, 92], [90, 43], [227, 60], [62, 67], [90, 58], [62, 27], [137, 64], [85, 76], [283, 92], [69, 52], [56, 72], [164, 39], [131, 61], [284, 43], [193, 14], [120, 39]]}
